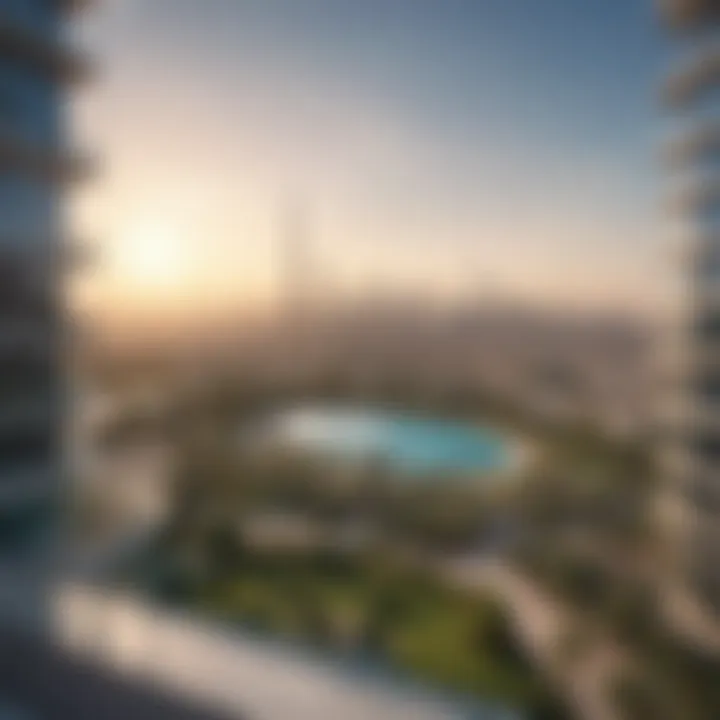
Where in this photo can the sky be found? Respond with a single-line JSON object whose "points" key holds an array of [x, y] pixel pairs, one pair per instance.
{"points": [[454, 146]]}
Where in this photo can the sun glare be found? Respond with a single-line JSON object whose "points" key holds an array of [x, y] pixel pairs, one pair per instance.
{"points": [[151, 254]]}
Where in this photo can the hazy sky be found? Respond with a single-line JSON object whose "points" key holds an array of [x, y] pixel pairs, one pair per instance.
{"points": [[453, 144]]}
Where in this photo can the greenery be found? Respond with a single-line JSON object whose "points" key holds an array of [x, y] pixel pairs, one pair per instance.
{"points": [[374, 606], [582, 485], [374, 603], [218, 482], [679, 681]]}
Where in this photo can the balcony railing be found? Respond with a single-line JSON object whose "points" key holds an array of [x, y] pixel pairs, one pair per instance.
{"points": [[687, 14], [23, 485], [19, 155], [25, 286], [46, 53], [79, 256], [697, 194], [703, 492], [692, 145], [697, 74], [24, 444], [27, 412], [72, 6]]}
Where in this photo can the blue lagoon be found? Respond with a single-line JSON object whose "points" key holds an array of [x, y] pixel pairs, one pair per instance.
{"points": [[408, 443]]}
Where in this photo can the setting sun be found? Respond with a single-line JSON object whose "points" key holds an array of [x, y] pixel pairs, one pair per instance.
{"points": [[150, 254]]}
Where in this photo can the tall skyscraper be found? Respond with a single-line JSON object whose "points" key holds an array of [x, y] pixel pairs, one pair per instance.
{"points": [[298, 280], [693, 92], [36, 65]]}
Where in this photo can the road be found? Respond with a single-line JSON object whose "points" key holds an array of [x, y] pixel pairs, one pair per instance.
{"points": [[542, 624]]}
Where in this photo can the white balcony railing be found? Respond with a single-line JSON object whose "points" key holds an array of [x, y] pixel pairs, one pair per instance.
{"points": [[239, 674]]}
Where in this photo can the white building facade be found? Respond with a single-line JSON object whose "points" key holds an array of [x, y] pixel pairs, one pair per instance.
{"points": [[36, 66], [693, 93]]}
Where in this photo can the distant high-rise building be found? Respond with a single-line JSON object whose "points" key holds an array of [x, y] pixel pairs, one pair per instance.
{"points": [[693, 93], [298, 289], [36, 64]]}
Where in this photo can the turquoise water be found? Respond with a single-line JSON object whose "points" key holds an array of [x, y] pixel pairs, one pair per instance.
{"points": [[407, 443]]}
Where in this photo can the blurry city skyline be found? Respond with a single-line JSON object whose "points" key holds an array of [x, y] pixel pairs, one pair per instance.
{"points": [[453, 148]]}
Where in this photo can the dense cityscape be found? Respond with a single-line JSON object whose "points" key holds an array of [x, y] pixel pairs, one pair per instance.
{"points": [[346, 493]]}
